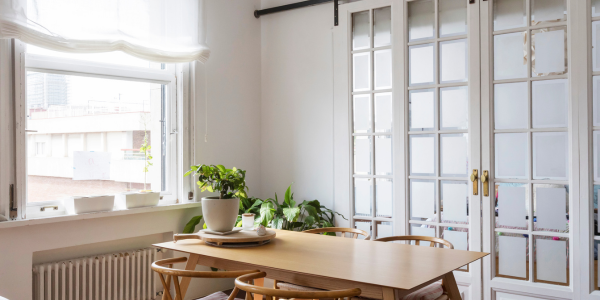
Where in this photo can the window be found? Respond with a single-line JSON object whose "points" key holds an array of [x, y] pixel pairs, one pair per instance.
{"points": [[87, 119]]}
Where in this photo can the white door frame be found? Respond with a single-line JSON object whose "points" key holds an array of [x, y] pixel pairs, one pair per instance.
{"points": [[521, 288], [343, 144]]}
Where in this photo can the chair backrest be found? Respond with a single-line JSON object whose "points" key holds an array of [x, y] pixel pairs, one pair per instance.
{"points": [[353, 231], [159, 267], [417, 238], [242, 283]]}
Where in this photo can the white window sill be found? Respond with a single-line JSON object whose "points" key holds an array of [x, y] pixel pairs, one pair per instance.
{"points": [[95, 215]]}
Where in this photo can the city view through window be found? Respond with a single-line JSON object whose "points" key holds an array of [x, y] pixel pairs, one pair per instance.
{"points": [[86, 135]]}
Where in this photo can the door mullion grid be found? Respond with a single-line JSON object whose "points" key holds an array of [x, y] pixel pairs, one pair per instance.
{"points": [[588, 238], [372, 103], [530, 181], [437, 131], [372, 91]]}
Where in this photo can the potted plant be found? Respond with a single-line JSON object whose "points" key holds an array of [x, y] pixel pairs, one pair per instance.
{"points": [[288, 215], [220, 213], [145, 197]]}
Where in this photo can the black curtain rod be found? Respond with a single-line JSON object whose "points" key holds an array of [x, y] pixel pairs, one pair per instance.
{"points": [[258, 13]]}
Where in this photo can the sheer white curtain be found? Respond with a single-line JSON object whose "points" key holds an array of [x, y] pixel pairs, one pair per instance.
{"points": [[166, 31]]}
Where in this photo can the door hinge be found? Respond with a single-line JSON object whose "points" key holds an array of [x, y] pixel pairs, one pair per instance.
{"points": [[13, 203]]}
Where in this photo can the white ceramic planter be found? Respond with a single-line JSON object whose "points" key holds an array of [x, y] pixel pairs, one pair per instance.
{"points": [[81, 205], [133, 200], [220, 214]]}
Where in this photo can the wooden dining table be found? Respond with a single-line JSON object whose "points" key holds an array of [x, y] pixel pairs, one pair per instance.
{"points": [[382, 270]]}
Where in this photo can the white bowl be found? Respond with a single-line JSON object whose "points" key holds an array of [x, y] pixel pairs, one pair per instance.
{"points": [[87, 204], [133, 200]]}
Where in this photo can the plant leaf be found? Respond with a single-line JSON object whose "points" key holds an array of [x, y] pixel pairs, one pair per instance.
{"points": [[312, 212], [191, 225], [291, 213], [266, 213], [310, 220], [277, 223], [287, 199]]}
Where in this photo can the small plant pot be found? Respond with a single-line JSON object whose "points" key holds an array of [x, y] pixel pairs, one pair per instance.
{"points": [[88, 204], [220, 214], [134, 200]]}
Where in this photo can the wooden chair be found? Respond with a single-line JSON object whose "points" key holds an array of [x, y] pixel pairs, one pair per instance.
{"points": [[417, 238], [159, 267], [434, 291], [354, 233], [242, 283]]}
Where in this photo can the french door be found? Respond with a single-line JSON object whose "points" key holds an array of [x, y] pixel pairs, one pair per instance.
{"points": [[407, 122], [477, 121]]}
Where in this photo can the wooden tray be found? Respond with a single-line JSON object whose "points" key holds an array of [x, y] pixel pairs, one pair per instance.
{"points": [[244, 238]]}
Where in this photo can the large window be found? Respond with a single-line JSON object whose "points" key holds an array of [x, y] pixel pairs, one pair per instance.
{"points": [[95, 124]]}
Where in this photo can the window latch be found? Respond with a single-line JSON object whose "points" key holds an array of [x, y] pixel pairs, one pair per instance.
{"points": [[53, 207], [13, 204]]}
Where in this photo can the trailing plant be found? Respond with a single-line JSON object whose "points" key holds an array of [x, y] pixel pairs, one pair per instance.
{"points": [[229, 183], [289, 215]]}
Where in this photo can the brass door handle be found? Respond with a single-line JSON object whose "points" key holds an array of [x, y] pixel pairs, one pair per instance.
{"points": [[474, 177], [485, 179]]}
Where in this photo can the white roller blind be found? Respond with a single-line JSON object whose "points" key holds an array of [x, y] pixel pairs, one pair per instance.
{"points": [[166, 31]]}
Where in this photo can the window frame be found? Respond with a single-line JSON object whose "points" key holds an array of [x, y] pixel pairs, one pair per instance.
{"points": [[172, 77]]}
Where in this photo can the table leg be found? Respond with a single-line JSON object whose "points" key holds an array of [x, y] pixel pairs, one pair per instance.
{"points": [[185, 281], [388, 293], [451, 287], [259, 282]]}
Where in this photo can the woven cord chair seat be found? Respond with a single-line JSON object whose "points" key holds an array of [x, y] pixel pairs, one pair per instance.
{"points": [[433, 291], [217, 296]]}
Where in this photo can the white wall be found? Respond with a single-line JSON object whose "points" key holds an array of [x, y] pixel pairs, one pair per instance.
{"points": [[297, 102], [234, 112], [234, 140]]}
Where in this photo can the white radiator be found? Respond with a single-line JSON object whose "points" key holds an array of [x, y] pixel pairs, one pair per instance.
{"points": [[115, 276]]}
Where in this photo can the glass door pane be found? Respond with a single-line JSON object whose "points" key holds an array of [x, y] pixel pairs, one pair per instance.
{"points": [[439, 114], [372, 110], [525, 145]]}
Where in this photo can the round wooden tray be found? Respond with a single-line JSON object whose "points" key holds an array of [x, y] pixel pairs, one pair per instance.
{"points": [[244, 238]]}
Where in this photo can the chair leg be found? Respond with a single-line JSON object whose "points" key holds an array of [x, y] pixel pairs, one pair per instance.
{"points": [[166, 285], [249, 295], [177, 288], [234, 293], [275, 282], [167, 293]]}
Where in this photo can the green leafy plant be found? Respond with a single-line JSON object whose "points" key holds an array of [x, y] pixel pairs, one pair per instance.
{"points": [[228, 183], [145, 148], [289, 215]]}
